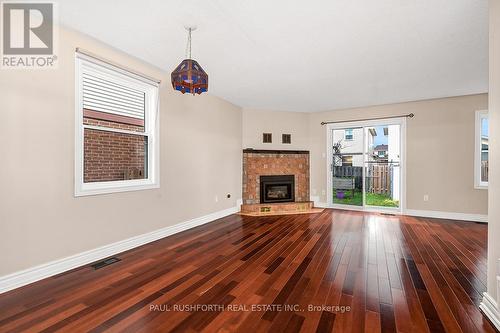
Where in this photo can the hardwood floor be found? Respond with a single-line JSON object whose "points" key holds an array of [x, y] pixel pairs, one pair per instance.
{"points": [[336, 270]]}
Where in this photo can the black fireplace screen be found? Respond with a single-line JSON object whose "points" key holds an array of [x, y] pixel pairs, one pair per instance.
{"points": [[277, 189]]}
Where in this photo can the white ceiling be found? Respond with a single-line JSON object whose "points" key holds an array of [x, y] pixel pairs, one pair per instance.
{"points": [[304, 55]]}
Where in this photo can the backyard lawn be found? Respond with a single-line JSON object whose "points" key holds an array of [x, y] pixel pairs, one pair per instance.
{"points": [[372, 199]]}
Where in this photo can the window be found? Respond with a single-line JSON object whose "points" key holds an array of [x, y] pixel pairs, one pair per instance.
{"points": [[346, 160], [286, 138], [349, 134], [481, 150], [116, 146], [267, 137]]}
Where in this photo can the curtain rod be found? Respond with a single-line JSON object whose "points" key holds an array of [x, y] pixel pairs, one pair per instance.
{"points": [[112, 63], [410, 115]]}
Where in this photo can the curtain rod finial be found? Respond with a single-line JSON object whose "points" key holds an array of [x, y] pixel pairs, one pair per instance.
{"points": [[411, 115]]}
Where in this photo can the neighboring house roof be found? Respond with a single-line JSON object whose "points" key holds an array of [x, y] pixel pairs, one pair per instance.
{"points": [[381, 148]]}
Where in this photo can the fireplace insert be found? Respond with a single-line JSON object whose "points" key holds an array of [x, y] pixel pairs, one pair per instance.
{"points": [[277, 189]]}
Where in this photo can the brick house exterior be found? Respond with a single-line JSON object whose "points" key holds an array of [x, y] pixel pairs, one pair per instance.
{"points": [[112, 156]]}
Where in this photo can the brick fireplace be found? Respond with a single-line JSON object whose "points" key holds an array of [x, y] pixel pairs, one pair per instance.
{"points": [[261, 165]]}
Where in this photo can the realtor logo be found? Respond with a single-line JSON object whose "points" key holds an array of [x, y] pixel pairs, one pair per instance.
{"points": [[28, 35]]}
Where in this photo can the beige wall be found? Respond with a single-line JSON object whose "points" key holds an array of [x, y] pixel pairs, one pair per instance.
{"points": [[41, 221], [256, 122], [494, 154], [440, 151]]}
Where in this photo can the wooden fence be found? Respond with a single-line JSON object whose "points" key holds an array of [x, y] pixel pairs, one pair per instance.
{"points": [[378, 177], [350, 172]]}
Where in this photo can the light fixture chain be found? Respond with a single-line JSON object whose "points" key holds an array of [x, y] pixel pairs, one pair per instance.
{"points": [[188, 45], [189, 41]]}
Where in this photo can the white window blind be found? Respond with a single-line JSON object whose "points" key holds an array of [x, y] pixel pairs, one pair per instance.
{"points": [[106, 96]]}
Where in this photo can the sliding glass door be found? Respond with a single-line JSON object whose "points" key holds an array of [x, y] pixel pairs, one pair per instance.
{"points": [[382, 166], [365, 160]]}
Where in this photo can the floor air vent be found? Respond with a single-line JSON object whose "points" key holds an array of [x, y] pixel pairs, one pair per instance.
{"points": [[388, 214], [105, 262]]}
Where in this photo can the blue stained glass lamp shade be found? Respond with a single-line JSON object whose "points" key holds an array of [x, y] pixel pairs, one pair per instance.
{"points": [[189, 77]]}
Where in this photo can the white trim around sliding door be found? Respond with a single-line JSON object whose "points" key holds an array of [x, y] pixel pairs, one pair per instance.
{"points": [[352, 124]]}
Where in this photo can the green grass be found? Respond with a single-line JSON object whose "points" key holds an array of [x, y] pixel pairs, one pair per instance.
{"points": [[372, 199]]}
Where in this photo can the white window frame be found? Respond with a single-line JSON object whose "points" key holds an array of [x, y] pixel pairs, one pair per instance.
{"points": [[478, 183], [151, 127]]}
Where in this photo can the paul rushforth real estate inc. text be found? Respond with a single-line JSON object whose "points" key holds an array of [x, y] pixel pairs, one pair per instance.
{"points": [[247, 308]]}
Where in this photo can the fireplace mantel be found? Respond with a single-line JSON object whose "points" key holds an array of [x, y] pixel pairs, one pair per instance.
{"points": [[271, 151]]}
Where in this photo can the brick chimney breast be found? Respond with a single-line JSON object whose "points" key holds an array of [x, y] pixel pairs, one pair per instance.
{"points": [[258, 163]]}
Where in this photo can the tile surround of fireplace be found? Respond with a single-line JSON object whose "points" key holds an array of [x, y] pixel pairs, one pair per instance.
{"points": [[257, 163]]}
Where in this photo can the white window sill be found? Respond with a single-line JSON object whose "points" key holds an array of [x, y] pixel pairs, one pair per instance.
{"points": [[97, 188]]}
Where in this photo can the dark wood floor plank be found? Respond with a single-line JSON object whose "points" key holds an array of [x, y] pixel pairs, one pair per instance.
{"points": [[460, 295], [341, 271], [306, 287], [373, 324], [436, 298], [326, 322], [468, 263], [411, 297]]}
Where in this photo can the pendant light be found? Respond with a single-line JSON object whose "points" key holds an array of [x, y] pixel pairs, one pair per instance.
{"points": [[189, 77]]}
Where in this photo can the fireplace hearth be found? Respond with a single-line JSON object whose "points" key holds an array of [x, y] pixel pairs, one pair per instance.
{"points": [[277, 188]]}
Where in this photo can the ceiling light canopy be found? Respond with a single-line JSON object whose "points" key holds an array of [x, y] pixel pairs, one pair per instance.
{"points": [[189, 77]]}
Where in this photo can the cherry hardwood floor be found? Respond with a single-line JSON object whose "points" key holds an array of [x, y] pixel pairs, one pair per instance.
{"points": [[332, 271]]}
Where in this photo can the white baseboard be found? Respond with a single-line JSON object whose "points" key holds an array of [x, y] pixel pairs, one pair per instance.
{"points": [[413, 212], [447, 215], [318, 203], [490, 308], [30, 275]]}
